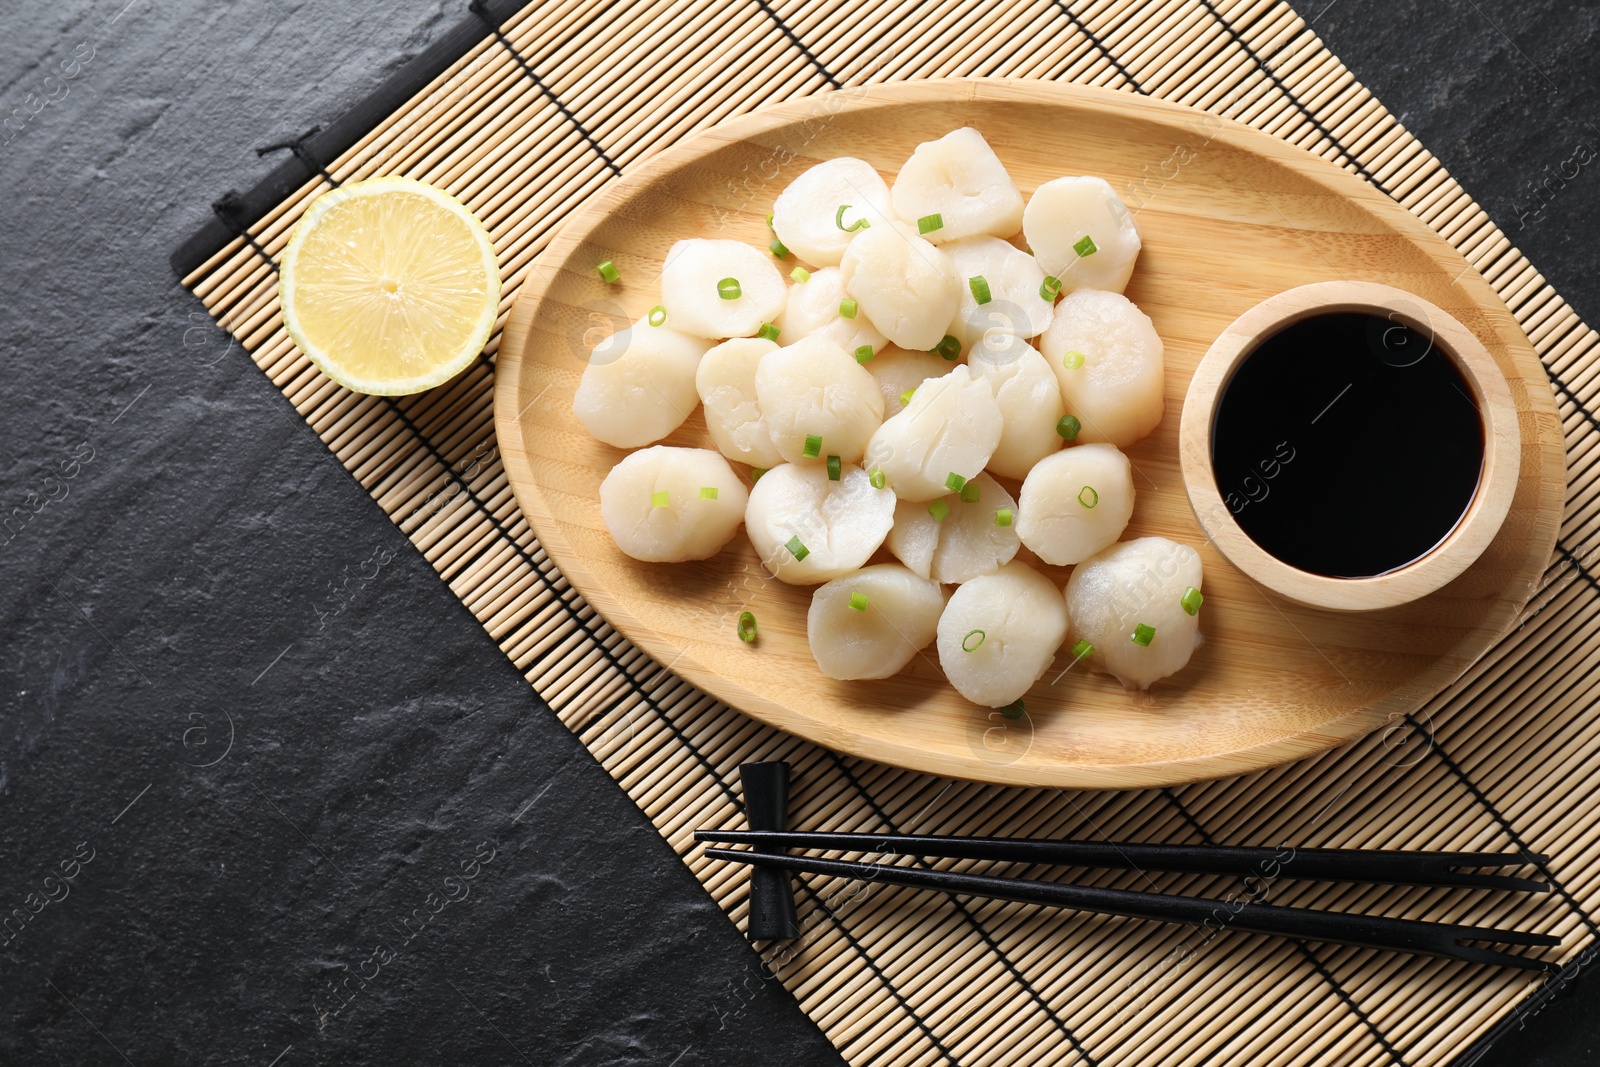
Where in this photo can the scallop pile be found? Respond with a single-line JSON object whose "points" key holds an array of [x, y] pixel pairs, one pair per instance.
{"points": [[941, 372]]}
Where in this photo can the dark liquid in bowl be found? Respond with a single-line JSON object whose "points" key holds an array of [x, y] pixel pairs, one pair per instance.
{"points": [[1347, 445]]}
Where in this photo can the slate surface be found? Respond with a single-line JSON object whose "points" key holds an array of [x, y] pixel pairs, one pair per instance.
{"points": [[226, 679]]}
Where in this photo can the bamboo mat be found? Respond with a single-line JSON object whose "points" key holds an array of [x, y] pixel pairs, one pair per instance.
{"points": [[526, 122]]}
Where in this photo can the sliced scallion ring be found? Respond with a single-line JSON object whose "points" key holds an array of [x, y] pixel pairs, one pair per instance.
{"points": [[1088, 496], [838, 220], [608, 270], [1002, 516], [658, 315], [813, 447], [796, 548], [1086, 247], [834, 468], [728, 289], [980, 289], [1068, 427], [1050, 288], [973, 641], [768, 332], [1143, 635], [858, 601], [938, 509], [801, 275], [1191, 600], [929, 223], [747, 626]]}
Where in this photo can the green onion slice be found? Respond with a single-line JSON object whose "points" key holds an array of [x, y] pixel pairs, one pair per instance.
{"points": [[768, 332], [747, 626], [877, 478], [1088, 496], [778, 248], [796, 549], [969, 493], [801, 275], [708, 492], [905, 397], [658, 499], [1050, 288], [608, 270], [954, 482], [948, 347], [938, 509], [858, 601], [1068, 427], [813, 447], [1191, 600], [838, 220], [658, 315], [1143, 635], [864, 354], [980, 289], [834, 467], [968, 644], [929, 223], [1072, 360], [770, 226], [756, 473], [1014, 710], [1002, 516], [1086, 247], [848, 308], [1082, 649], [728, 289]]}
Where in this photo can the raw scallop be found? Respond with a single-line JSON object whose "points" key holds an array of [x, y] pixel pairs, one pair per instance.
{"points": [[639, 384], [904, 285], [1075, 503], [690, 281], [1140, 582], [1108, 358], [1029, 399], [1000, 632], [896, 370], [813, 389], [806, 214], [951, 426], [963, 540], [666, 505], [813, 309], [1065, 212], [960, 179], [726, 382], [1012, 279], [808, 529], [899, 618]]}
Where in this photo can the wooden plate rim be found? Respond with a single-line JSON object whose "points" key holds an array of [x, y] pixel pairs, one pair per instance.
{"points": [[1402, 700]]}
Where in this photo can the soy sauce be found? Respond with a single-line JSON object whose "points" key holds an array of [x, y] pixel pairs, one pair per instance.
{"points": [[1347, 444]]}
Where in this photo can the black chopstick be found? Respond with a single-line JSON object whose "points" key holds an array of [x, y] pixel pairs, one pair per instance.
{"points": [[1367, 931], [1323, 864]]}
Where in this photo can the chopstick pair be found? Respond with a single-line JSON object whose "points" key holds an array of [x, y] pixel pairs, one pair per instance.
{"points": [[1346, 865]]}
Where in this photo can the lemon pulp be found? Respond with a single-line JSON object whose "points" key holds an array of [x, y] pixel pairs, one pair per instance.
{"points": [[390, 286]]}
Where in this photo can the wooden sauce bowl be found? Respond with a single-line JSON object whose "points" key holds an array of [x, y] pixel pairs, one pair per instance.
{"points": [[1456, 551]]}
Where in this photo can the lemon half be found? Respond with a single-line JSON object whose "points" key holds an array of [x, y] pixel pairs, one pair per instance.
{"points": [[389, 285]]}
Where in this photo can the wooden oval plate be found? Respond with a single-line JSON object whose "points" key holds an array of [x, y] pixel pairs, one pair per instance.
{"points": [[1229, 216]]}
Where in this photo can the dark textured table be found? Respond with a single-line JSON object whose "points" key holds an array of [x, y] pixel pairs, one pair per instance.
{"points": [[317, 819]]}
